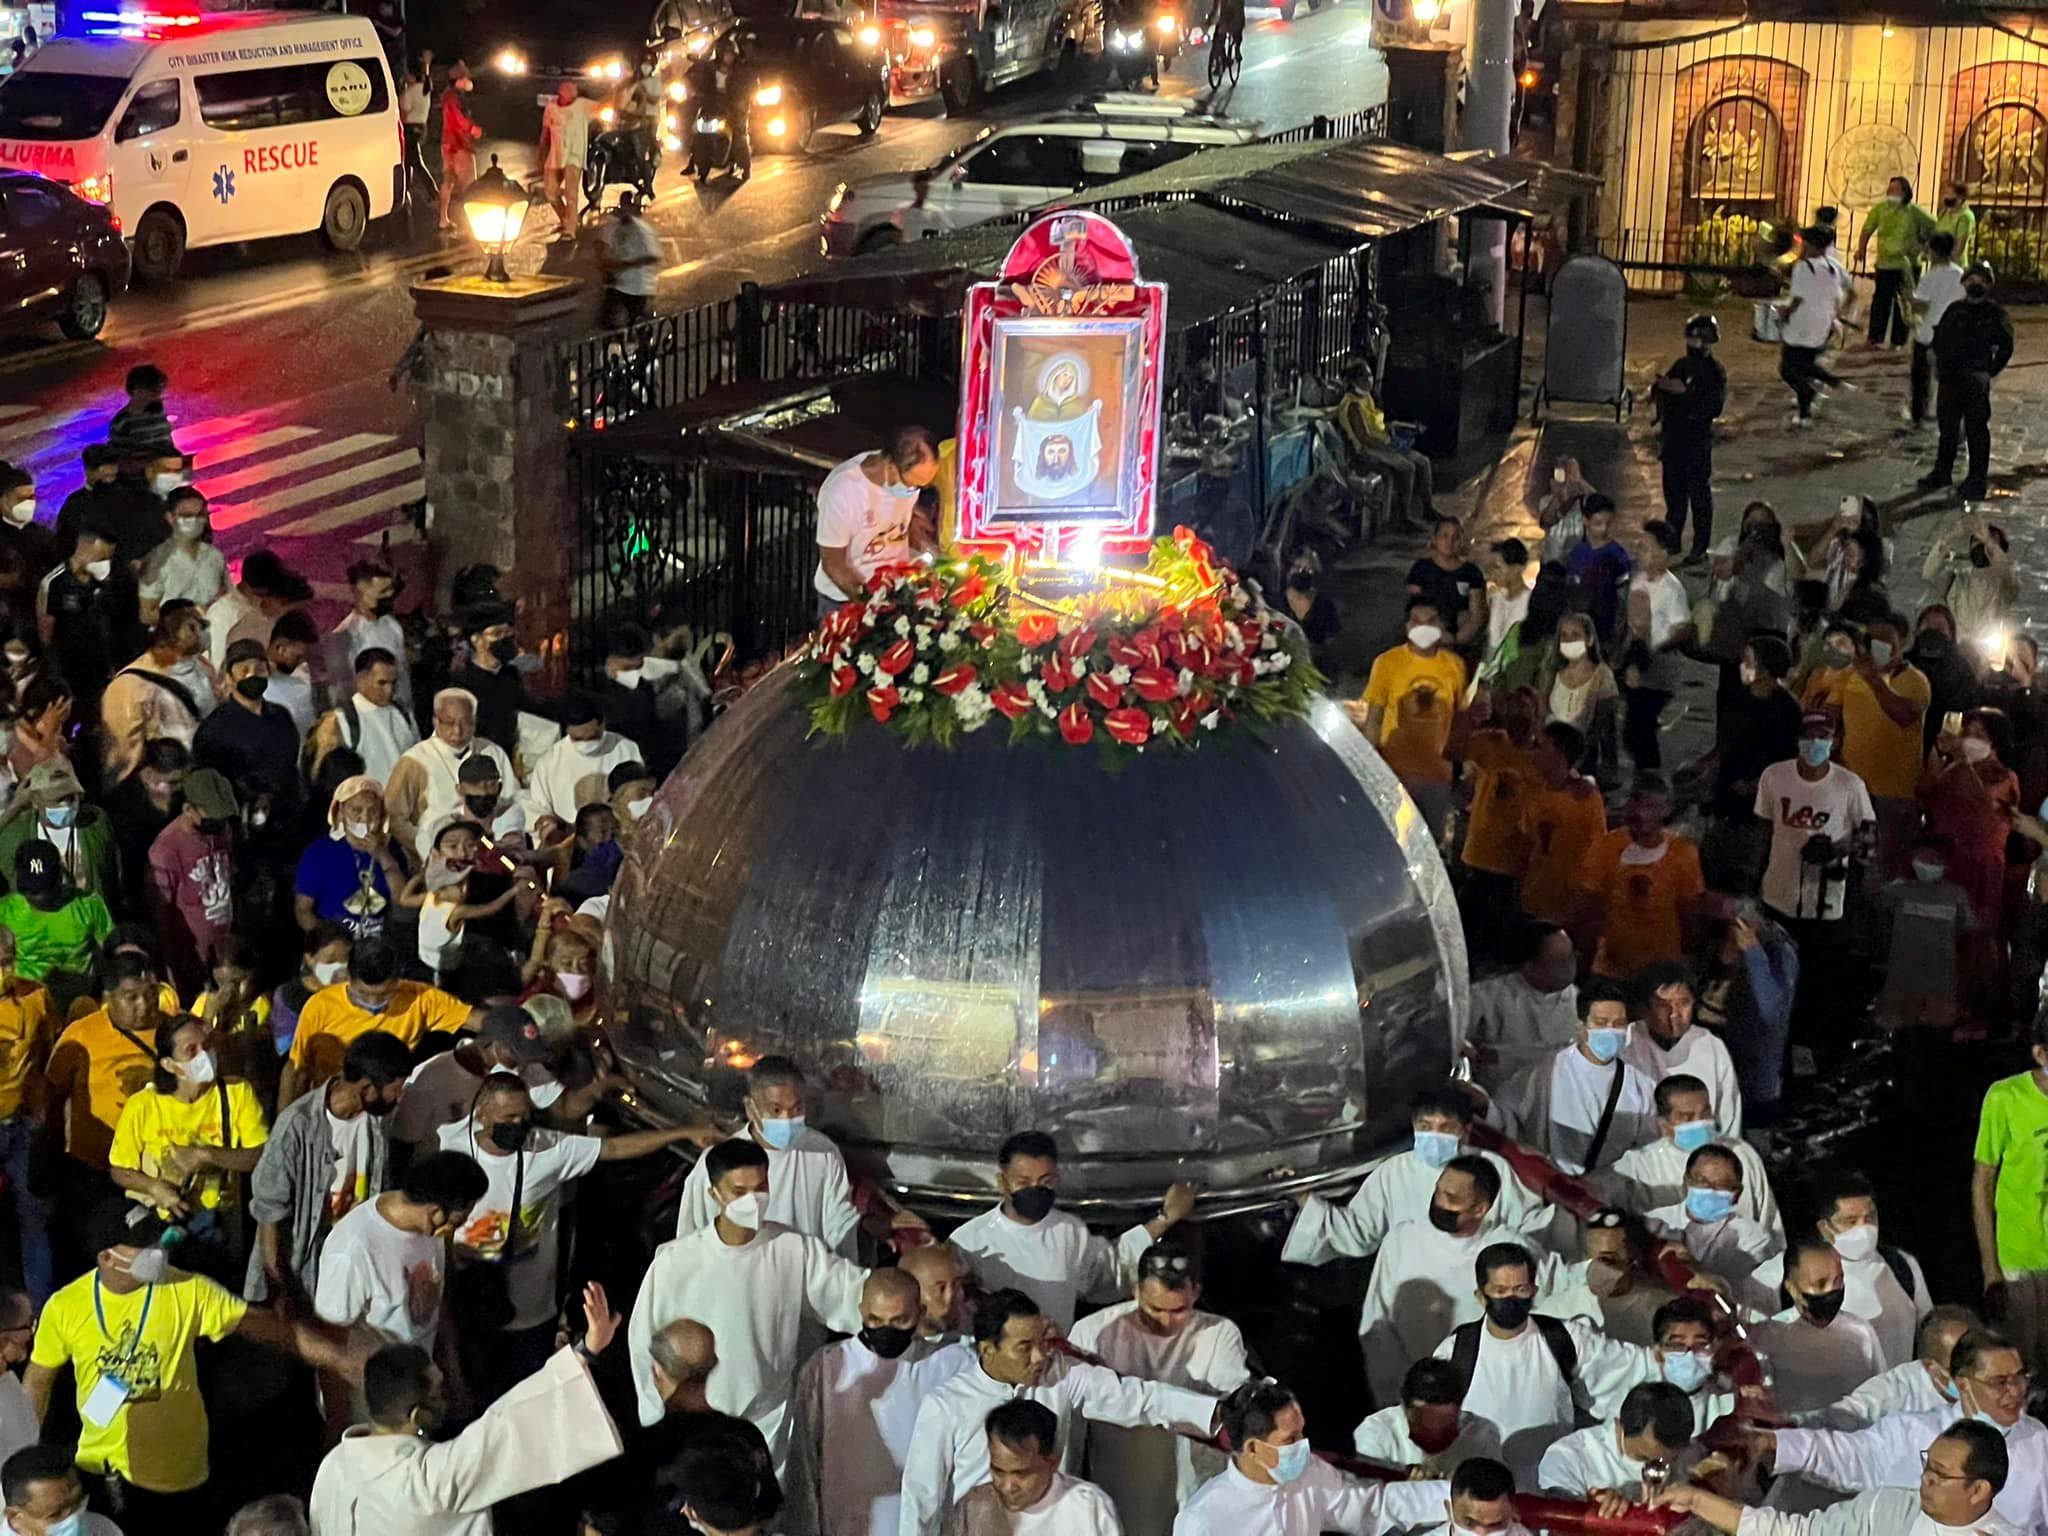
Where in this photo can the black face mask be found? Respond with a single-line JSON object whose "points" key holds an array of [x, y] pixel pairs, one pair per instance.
{"points": [[1980, 557], [1443, 1218], [511, 1135], [1976, 291], [1930, 642], [382, 607], [1033, 1204], [251, 687], [377, 1108], [209, 827], [1822, 1306], [888, 1342], [1302, 581], [480, 805], [505, 649], [1509, 1312]]}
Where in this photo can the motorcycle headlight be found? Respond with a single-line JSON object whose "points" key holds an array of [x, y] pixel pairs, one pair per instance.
{"points": [[768, 96], [678, 92], [923, 37], [871, 37]]}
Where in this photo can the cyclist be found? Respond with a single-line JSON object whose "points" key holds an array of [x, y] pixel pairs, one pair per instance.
{"points": [[1226, 39]]}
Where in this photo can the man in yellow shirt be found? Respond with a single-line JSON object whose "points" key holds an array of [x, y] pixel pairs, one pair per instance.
{"points": [[1882, 701], [1412, 700], [25, 1034], [373, 997], [99, 1063], [127, 1330]]}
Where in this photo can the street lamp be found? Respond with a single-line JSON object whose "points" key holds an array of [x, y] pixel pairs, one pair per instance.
{"points": [[494, 207]]}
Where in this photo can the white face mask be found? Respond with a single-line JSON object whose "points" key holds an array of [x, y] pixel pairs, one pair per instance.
{"points": [[22, 513], [200, 1069], [328, 972], [191, 528], [361, 831], [99, 570], [1975, 749], [575, 985], [628, 679], [589, 748], [1423, 636], [635, 809], [1571, 650], [1856, 1242], [163, 485], [746, 1210]]}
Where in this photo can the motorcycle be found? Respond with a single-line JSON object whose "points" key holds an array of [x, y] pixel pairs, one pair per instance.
{"points": [[711, 141], [616, 158], [1133, 56]]}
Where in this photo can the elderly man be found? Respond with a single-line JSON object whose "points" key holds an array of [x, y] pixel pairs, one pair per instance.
{"points": [[1158, 1335], [941, 1276], [856, 1405], [1026, 1493], [1665, 1042], [808, 1190], [425, 789], [1920, 1384], [1655, 1425]]}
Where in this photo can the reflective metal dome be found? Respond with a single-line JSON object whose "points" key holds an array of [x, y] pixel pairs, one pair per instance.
{"points": [[1233, 965]]}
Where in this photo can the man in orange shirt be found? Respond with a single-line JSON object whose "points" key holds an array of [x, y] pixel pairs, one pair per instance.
{"points": [[373, 997], [25, 1030], [1562, 816], [1638, 887], [1501, 763], [1881, 700]]}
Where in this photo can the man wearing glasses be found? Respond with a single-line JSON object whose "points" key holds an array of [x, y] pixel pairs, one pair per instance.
{"points": [[1991, 1389]]}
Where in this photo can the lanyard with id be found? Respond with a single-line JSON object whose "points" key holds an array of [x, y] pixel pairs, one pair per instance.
{"points": [[112, 1391]]}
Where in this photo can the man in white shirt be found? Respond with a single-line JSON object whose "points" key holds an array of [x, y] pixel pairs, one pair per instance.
{"points": [[45, 1495], [1606, 1287], [1820, 815], [573, 772], [1939, 287], [752, 1283], [1915, 1387], [1683, 1356], [1807, 323], [1417, 1292], [290, 687], [1665, 1043], [384, 1268], [1276, 1486], [1885, 1286], [1026, 1492], [1158, 1335], [1429, 1428], [1526, 1015], [1655, 1425], [629, 253], [371, 625], [1014, 1359], [1964, 1473], [389, 1477], [373, 722], [808, 1190], [855, 1406], [19, 1425], [867, 515], [1715, 1236], [1818, 1353], [1441, 1119], [1991, 1381], [1653, 1175], [425, 789], [1528, 1371], [1586, 1104], [1025, 1243], [941, 1276]]}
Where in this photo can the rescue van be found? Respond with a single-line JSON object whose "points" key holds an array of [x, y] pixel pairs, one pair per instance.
{"points": [[203, 130]]}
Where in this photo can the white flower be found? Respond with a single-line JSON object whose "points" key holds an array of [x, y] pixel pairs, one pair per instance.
{"points": [[1187, 682], [924, 639], [959, 625], [1269, 641], [902, 627], [1028, 665], [1233, 637], [1283, 661], [1159, 725], [972, 707], [949, 642], [1209, 720], [1045, 708], [1119, 675], [1036, 688], [913, 695], [920, 673], [865, 662]]}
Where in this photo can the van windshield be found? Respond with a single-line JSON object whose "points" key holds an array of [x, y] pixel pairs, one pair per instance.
{"points": [[44, 104]]}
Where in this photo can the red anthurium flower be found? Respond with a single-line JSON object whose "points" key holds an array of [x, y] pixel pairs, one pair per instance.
{"points": [[1132, 727], [968, 590], [1103, 691], [1036, 629], [1077, 643], [1011, 698], [844, 680], [1060, 675], [882, 702], [1125, 652], [1172, 619], [1155, 685], [955, 679], [1076, 726], [1149, 645], [984, 634], [1184, 714], [898, 659]]}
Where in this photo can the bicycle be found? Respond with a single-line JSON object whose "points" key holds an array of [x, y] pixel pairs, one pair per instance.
{"points": [[1226, 56]]}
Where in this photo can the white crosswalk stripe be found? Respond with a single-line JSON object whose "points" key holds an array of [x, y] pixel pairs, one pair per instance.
{"points": [[264, 478]]}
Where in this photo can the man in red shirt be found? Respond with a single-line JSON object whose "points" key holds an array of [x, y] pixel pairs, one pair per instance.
{"points": [[459, 135], [191, 879]]}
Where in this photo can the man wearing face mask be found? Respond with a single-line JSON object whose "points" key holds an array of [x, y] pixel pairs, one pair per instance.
{"points": [[371, 624], [1715, 1236], [1817, 1352], [1413, 1298], [1608, 1285], [1522, 1016], [1666, 1044], [1654, 1175], [571, 774], [1991, 1385], [1014, 1360], [163, 694], [868, 518], [1654, 1427], [1919, 1385], [1690, 396], [1049, 1254], [327, 1154], [1412, 700], [51, 807], [1684, 1357], [20, 534], [382, 1267], [1429, 1428], [752, 1283], [393, 1477], [191, 879], [1441, 1119], [187, 566], [443, 1088], [371, 996], [1882, 699], [426, 787], [1638, 888], [86, 614], [855, 1406], [808, 1190], [491, 677], [514, 1229], [127, 1329], [253, 742], [1972, 345], [1884, 1284], [1588, 1104], [1158, 1335], [45, 1497], [1275, 1485], [628, 697]]}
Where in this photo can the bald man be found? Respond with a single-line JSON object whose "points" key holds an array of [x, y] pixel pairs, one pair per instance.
{"points": [[941, 1275], [856, 1404]]}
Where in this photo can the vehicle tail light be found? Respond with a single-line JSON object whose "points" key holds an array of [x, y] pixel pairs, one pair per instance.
{"points": [[96, 189]]}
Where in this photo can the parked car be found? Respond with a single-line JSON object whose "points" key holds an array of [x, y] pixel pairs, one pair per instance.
{"points": [[957, 49], [1019, 166], [61, 257], [808, 74]]}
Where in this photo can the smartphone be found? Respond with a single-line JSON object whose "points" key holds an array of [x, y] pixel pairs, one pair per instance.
{"points": [[1952, 723]]}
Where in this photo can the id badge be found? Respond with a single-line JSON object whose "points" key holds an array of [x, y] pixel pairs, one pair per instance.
{"points": [[107, 1397]]}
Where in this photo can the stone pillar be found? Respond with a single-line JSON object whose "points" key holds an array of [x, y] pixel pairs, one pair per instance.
{"points": [[1422, 87], [495, 403]]}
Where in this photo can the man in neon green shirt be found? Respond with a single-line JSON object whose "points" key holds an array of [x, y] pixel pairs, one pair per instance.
{"points": [[1960, 220], [1900, 226], [2009, 1200], [57, 929]]}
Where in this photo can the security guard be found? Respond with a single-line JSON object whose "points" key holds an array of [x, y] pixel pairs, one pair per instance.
{"points": [[1690, 395], [1972, 345]]}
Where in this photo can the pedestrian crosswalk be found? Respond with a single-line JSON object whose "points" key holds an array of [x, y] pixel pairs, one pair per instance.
{"points": [[265, 479]]}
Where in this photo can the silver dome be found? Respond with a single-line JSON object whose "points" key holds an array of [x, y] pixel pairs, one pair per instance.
{"points": [[1233, 965]]}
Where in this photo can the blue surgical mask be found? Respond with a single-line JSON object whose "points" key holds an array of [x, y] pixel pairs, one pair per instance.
{"points": [[1949, 1391], [72, 1524], [1293, 1461], [1815, 752], [61, 815], [1606, 1044], [1692, 1135], [1708, 1204], [1437, 1148], [1688, 1372], [782, 1134], [1881, 652]]}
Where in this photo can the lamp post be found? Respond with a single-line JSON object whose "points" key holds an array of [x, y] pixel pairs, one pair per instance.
{"points": [[494, 206]]}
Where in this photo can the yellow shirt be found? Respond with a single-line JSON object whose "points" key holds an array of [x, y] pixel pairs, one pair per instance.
{"points": [[1645, 903], [1558, 827], [1502, 775], [25, 1032], [157, 1438], [1420, 695], [331, 1019], [95, 1069], [1885, 755], [153, 1122]]}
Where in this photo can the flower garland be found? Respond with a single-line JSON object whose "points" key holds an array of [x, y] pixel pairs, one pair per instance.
{"points": [[1183, 650]]}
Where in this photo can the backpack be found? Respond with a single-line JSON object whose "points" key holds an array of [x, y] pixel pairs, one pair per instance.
{"points": [[1465, 1347], [1902, 1270]]}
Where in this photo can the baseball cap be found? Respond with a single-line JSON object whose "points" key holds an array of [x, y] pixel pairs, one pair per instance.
{"points": [[244, 650], [479, 768], [52, 779], [557, 1022], [515, 1032], [1817, 720], [123, 1224], [209, 792], [38, 869]]}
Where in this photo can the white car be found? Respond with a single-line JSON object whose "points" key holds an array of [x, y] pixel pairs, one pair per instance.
{"points": [[1018, 166]]}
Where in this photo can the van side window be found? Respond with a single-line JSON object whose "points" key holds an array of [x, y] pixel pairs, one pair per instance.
{"points": [[1027, 160], [282, 95], [154, 109]]}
